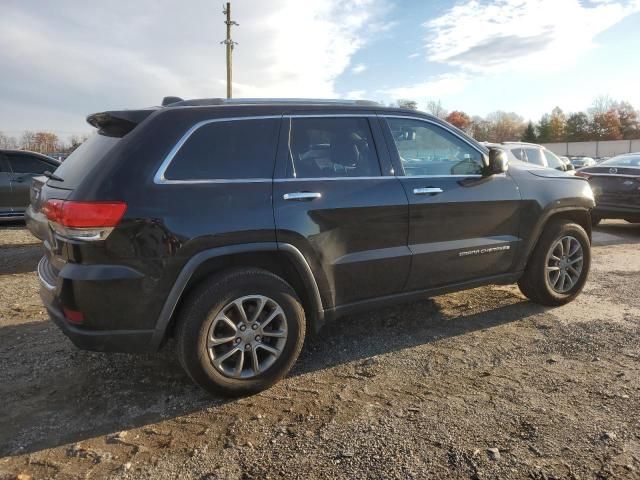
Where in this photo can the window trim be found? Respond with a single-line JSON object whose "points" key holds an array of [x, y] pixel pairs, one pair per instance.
{"points": [[160, 179], [437, 124]]}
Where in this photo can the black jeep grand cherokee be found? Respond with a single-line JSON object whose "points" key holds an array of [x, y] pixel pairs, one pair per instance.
{"points": [[235, 226]]}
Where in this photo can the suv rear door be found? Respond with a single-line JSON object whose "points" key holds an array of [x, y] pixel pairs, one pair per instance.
{"points": [[336, 201], [463, 225]]}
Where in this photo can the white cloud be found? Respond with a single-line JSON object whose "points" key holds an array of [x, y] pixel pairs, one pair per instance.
{"points": [[414, 55], [516, 34], [76, 57], [359, 68], [356, 95], [435, 87]]}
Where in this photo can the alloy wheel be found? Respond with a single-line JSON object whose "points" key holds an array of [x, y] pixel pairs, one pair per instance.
{"points": [[564, 264], [247, 336]]}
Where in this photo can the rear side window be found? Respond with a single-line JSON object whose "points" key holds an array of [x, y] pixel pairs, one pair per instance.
{"points": [[77, 165], [28, 164], [517, 152], [553, 161], [534, 155], [227, 150], [331, 147]]}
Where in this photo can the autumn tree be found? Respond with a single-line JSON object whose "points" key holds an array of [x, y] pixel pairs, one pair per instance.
{"points": [[459, 119], [629, 124], [557, 125], [505, 126], [606, 126], [479, 128], [529, 134], [578, 128], [409, 104]]}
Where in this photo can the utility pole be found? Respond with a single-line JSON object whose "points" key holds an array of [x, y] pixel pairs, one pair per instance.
{"points": [[229, 43]]}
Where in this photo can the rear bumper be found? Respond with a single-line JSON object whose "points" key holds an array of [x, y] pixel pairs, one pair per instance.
{"points": [[132, 341]]}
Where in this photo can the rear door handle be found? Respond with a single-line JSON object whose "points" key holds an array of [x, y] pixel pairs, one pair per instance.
{"points": [[427, 191], [302, 196]]}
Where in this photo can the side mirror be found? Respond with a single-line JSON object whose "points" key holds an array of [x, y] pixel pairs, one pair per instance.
{"points": [[498, 161]]}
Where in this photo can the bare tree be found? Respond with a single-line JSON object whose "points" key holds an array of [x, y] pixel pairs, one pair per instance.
{"points": [[435, 108], [7, 141]]}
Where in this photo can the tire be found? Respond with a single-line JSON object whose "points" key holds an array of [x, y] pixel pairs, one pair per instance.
{"points": [[255, 290], [595, 220], [536, 284]]}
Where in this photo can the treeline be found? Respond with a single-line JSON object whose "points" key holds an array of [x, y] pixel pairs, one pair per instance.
{"points": [[607, 119], [42, 142]]}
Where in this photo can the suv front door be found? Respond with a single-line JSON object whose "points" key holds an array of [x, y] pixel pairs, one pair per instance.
{"points": [[23, 168], [462, 225], [6, 202], [333, 203]]}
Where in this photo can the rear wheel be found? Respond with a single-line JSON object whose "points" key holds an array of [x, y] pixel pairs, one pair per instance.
{"points": [[241, 332], [559, 265]]}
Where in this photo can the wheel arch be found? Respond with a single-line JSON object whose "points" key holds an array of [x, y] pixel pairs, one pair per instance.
{"points": [[283, 260], [581, 216]]}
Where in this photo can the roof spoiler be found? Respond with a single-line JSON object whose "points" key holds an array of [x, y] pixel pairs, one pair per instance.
{"points": [[118, 123]]}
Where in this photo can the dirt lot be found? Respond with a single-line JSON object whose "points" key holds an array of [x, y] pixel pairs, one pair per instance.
{"points": [[478, 384]]}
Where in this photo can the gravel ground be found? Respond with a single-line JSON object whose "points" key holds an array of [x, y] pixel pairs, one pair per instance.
{"points": [[477, 384]]}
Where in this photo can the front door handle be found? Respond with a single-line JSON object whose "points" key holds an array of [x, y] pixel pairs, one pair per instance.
{"points": [[302, 196], [427, 191]]}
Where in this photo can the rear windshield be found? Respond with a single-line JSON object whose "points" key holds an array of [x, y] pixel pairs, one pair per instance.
{"points": [[624, 161], [77, 165]]}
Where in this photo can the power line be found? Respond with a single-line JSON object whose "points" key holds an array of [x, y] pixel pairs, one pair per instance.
{"points": [[230, 44]]}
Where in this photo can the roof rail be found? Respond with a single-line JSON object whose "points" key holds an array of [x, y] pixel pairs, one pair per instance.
{"points": [[178, 102]]}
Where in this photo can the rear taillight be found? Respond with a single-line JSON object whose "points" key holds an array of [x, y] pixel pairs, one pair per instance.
{"points": [[83, 220], [583, 174]]}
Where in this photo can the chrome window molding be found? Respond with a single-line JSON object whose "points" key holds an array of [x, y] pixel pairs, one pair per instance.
{"points": [[160, 178]]}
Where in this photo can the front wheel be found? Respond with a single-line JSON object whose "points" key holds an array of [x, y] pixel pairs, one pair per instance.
{"points": [[559, 265], [240, 332]]}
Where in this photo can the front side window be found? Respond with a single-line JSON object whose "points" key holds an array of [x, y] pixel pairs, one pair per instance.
{"points": [[427, 149], [331, 147], [28, 164], [228, 150], [534, 155]]}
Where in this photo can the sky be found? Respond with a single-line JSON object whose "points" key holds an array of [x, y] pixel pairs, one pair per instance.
{"points": [[66, 59]]}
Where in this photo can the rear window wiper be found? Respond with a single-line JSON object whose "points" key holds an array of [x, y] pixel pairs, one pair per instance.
{"points": [[53, 176]]}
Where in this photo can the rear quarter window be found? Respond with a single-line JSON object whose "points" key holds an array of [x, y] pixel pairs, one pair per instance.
{"points": [[77, 165], [231, 150]]}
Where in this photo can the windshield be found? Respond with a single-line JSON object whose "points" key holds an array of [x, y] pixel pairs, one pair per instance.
{"points": [[624, 161], [77, 165]]}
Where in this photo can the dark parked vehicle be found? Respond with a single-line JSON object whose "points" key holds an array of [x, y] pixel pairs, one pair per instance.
{"points": [[616, 186], [235, 226], [17, 169]]}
